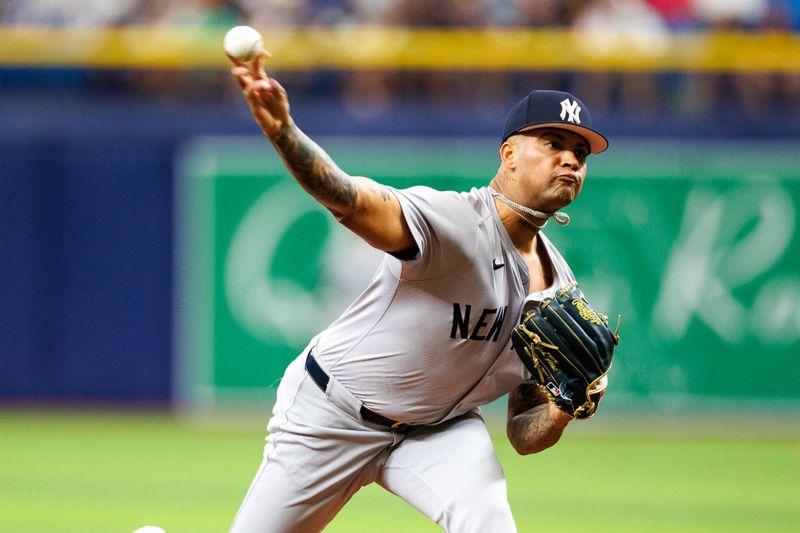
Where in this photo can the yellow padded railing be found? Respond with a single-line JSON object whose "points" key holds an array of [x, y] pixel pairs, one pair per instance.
{"points": [[353, 48]]}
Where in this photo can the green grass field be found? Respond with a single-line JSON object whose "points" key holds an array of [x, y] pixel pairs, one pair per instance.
{"points": [[72, 471]]}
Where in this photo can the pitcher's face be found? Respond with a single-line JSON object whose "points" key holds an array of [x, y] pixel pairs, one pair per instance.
{"points": [[549, 166]]}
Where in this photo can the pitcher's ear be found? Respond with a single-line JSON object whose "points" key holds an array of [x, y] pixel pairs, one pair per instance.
{"points": [[508, 152]]}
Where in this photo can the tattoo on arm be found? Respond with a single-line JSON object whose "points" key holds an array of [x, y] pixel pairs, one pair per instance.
{"points": [[381, 191], [531, 426], [526, 397], [315, 170]]}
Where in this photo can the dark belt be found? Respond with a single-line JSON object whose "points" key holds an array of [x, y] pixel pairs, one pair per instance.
{"points": [[321, 379]]}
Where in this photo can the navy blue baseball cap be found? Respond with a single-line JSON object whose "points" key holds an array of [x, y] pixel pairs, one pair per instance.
{"points": [[553, 109]]}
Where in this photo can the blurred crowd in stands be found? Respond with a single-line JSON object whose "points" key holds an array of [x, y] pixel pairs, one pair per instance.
{"points": [[680, 14], [645, 97]]}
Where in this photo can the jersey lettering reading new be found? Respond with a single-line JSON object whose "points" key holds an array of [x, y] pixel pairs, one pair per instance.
{"points": [[429, 337]]}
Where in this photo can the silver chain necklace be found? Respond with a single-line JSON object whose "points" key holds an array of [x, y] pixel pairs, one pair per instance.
{"points": [[561, 218], [526, 220]]}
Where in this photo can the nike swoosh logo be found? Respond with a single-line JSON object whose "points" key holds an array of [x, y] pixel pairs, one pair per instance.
{"points": [[496, 265]]}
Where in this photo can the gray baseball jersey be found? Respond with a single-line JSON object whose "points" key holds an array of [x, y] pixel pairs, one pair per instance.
{"points": [[428, 339], [426, 343]]}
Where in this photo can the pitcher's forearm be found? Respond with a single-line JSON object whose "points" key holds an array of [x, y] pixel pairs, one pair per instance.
{"points": [[316, 172], [537, 429], [362, 205]]}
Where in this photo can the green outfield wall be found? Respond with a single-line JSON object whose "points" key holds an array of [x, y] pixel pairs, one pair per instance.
{"points": [[694, 244]]}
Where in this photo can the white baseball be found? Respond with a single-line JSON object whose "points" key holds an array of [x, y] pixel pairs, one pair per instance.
{"points": [[243, 43], [149, 529]]}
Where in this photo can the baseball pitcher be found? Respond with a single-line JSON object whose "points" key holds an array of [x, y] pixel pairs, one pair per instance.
{"points": [[471, 302]]}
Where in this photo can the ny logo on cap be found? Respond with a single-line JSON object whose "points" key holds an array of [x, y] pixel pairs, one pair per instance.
{"points": [[570, 111]]}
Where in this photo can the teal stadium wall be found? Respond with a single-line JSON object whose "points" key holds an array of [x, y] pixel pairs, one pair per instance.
{"points": [[693, 244]]}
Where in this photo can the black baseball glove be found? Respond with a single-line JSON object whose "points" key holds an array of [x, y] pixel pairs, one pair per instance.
{"points": [[567, 346]]}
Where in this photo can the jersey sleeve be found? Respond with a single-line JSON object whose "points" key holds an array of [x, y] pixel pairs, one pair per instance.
{"points": [[444, 227]]}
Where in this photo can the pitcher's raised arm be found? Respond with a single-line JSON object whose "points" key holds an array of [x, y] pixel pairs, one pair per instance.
{"points": [[364, 206]]}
